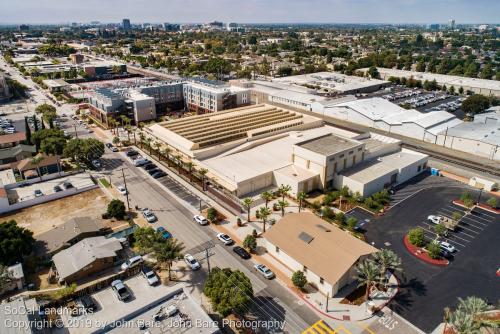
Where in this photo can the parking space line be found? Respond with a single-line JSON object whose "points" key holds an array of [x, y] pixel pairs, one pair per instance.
{"points": [[468, 217], [469, 224], [485, 214], [475, 216], [468, 229]]}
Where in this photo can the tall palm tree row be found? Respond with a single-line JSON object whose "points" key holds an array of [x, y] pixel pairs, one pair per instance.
{"points": [[301, 197], [387, 260], [203, 172], [264, 213], [367, 274], [167, 252], [284, 190], [267, 197]]}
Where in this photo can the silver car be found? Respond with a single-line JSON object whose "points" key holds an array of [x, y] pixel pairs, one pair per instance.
{"points": [[264, 271]]}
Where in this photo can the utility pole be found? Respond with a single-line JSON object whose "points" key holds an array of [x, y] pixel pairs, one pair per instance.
{"points": [[76, 132], [126, 189], [208, 260]]}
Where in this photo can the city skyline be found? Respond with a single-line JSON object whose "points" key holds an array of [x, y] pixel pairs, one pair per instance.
{"points": [[252, 11]]}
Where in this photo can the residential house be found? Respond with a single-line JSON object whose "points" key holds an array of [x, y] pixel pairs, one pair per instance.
{"points": [[13, 148], [49, 164]]}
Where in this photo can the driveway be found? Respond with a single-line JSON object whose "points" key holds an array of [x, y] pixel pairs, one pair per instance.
{"points": [[425, 289]]}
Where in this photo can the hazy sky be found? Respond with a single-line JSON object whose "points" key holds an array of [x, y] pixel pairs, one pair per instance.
{"points": [[257, 11]]}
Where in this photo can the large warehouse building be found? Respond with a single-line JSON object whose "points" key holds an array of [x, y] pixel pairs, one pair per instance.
{"points": [[478, 86], [249, 149]]}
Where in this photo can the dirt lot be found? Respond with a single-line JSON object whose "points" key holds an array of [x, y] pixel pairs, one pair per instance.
{"points": [[43, 217]]}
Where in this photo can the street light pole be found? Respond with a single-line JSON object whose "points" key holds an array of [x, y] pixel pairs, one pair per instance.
{"points": [[208, 260], [126, 189]]}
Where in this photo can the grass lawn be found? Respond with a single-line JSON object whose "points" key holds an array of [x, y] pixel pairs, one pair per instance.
{"points": [[105, 182]]}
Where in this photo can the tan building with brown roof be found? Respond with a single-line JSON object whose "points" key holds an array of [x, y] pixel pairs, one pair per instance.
{"points": [[326, 254]]}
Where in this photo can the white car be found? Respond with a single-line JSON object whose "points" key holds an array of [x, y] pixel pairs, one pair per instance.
{"points": [[191, 262], [122, 190], [435, 219], [132, 262], [264, 271], [446, 246], [226, 239], [148, 215], [150, 276], [200, 220]]}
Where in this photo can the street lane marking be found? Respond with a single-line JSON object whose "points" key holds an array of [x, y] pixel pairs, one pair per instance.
{"points": [[319, 327]]}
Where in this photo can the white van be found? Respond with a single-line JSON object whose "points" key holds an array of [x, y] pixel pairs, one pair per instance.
{"points": [[132, 262]]}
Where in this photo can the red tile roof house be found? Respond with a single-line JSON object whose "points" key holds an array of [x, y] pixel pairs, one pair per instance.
{"points": [[49, 164]]}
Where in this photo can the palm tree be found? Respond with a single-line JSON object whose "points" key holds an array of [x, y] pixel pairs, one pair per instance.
{"points": [[465, 318], [157, 146], [148, 142], [190, 165], [128, 128], [142, 138], [124, 120], [301, 197], [203, 172], [387, 260], [167, 252], [264, 213], [247, 204], [178, 158], [473, 305], [167, 154], [367, 274], [267, 197], [36, 160], [282, 205], [284, 190]]}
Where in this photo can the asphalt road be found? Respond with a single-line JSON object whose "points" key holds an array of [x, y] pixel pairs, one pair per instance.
{"points": [[272, 300], [425, 289]]}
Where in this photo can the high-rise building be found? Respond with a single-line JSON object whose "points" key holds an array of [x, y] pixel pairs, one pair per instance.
{"points": [[451, 24], [126, 24], [171, 27]]}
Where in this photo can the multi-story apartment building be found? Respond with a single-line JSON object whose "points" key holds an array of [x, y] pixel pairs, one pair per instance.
{"points": [[205, 96], [140, 103]]}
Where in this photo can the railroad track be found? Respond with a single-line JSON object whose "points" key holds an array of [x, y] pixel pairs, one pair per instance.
{"points": [[457, 161]]}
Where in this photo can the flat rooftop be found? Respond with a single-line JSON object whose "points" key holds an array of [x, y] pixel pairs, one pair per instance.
{"points": [[329, 144], [373, 169], [208, 130]]}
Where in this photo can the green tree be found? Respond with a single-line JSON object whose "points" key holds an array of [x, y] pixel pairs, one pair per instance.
{"points": [[493, 202], [282, 206], [284, 190], [116, 140], [387, 260], [433, 250], [116, 209], [440, 230], [301, 197], [373, 72], [167, 252], [367, 273], [351, 223], [15, 242], [475, 104], [36, 161], [50, 141], [416, 237], [264, 213], [466, 318], [299, 280], [229, 291], [250, 242], [456, 215], [145, 239], [212, 214], [247, 204], [267, 197], [45, 108], [203, 173]]}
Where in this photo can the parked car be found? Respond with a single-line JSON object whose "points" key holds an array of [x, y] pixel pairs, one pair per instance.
{"points": [[153, 171], [57, 189], [200, 219], [132, 262], [226, 239], [164, 233], [140, 162], [241, 252], [435, 219], [122, 190], [447, 246], [444, 253], [96, 163], [38, 193], [150, 275], [120, 289], [159, 174], [113, 149], [67, 185], [148, 215], [131, 153], [264, 271], [108, 145], [191, 262], [150, 166]]}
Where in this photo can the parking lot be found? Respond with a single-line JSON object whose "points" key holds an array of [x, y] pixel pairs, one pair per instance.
{"points": [[426, 289]]}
